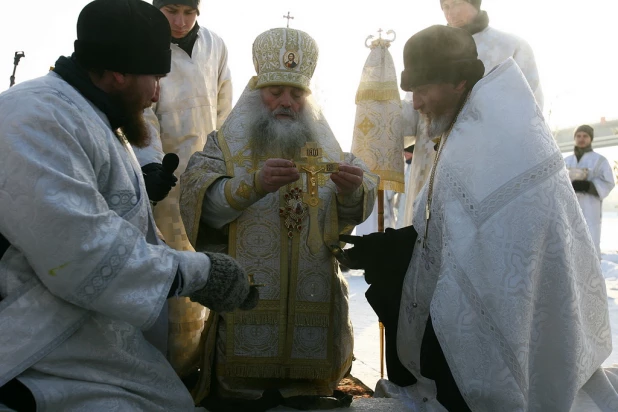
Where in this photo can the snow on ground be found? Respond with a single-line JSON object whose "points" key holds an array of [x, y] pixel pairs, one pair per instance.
{"points": [[366, 367]]}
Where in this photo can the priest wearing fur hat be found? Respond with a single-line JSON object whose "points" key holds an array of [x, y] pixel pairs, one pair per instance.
{"points": [[273, 189], [494, 46], [503, 305]]}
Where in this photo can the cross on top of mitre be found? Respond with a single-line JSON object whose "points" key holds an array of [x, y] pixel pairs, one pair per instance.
{"points": [[289, 18]]}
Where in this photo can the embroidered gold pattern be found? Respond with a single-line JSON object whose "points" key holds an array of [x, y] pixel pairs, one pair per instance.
{"points": [[244, 190], [365, 126]]}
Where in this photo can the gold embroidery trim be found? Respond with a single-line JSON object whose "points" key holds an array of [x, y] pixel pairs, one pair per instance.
{"points": [[244, 190], [258, 185]]}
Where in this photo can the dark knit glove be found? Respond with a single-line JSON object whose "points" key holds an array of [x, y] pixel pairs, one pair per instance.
{"points": [[227, 287], [158, 181], [581, 185]]}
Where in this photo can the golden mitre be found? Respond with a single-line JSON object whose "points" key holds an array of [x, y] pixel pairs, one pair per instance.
{"points": [[285, 57]]}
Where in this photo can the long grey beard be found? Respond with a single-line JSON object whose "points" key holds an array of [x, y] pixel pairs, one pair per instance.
{"points": [[274, 137], [438, 125]]}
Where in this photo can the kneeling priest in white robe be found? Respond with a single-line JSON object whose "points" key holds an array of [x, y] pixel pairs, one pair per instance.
{"points": [[84, 279], [503, 305]]}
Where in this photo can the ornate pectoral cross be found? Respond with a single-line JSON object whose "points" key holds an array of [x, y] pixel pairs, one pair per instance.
{"points": [[312, 168]]}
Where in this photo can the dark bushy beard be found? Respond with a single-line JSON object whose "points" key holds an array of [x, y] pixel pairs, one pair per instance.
{"points": [[134, 127], [282, 138]]}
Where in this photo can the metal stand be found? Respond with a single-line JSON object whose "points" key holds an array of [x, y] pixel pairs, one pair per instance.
{"points": [[381, 229], [18, 56]]}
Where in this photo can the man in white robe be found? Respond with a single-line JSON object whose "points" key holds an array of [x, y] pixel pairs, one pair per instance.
{"points": [[280, 220], [85, 280], [592, 178], [195, 99], [400, 198], [503, 304], [494, 47]]}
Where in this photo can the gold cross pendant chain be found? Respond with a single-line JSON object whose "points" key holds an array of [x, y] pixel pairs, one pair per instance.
{"points": [[430, 188], [433, 171]]}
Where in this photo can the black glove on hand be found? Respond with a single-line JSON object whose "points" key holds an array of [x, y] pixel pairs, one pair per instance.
{"points": [[385, 258], [381, 253], [158, 181], [227, 287], [581, 185]]}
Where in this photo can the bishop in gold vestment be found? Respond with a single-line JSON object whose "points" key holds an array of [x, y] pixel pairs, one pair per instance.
{"points": [[274, 190]]}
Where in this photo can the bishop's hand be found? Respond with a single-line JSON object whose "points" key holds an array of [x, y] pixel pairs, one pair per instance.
{"points": [[347, 179], [277, 173]]}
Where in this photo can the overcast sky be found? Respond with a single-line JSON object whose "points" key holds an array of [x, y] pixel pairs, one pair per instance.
{"points": [[574, 43]]}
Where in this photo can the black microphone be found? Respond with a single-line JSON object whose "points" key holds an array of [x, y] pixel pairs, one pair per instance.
{"points": [[170, 163]]}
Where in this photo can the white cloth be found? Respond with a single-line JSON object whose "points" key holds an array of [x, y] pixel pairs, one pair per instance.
{"points": [[85, 276], [195, 99], [509, 274], [600, 173], [494, 47]]}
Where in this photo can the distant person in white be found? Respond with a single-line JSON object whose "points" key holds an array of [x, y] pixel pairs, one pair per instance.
{"points": [[196, 98], [592, 179], [493, 46], [400, 198]]}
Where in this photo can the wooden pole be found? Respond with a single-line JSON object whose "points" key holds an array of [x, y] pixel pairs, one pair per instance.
{"points": [[381, 229]]}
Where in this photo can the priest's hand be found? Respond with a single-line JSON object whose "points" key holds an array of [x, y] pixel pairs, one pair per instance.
{"points": [[277, 173], [227, 287], [158, 181], [382, 255], [159, 177], [347, 179]]}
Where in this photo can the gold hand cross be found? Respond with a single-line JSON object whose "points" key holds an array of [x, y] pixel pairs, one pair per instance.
{"points": [[312, 168]]}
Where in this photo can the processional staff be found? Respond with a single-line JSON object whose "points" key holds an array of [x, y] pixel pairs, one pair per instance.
{"points": [[18, 56], [381, 148]]}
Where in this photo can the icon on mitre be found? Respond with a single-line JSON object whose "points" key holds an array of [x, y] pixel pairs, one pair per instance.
{"points": [[290, 60]]}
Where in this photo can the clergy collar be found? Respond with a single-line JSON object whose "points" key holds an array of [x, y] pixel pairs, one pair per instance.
{"points": [[186, 43]]}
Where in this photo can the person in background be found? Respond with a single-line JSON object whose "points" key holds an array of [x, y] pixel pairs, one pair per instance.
{"points": [[400, 198], [195, 99], [592, 178]]}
